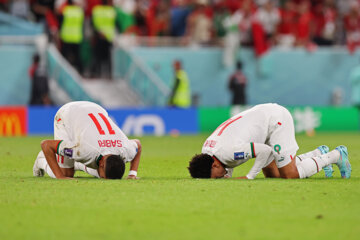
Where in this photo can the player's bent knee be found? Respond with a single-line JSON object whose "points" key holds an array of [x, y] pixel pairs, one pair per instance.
{"points": [[271, 171], [289, 171]]}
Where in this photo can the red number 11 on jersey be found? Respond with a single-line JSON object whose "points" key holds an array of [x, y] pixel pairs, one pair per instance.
{"points": [[225, 125], [98, 126]]}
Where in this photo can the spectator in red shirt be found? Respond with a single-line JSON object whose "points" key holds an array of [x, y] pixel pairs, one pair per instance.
{"points": [[303, 26], [140, 16], [288, 18], [264, 26], [90, 4], [324, 23], [246, 12], [158, 20], [287, 25], [268, 15], [352, 27], [199, 26]]}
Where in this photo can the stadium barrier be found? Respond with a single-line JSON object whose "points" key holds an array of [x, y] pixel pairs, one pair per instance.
{"points": [[21, 120], [15, 82], [13, 121], [14, 26], [290, 77], [305, 118], [137, 122], [325, 118], [65, 75], [149, 87]]}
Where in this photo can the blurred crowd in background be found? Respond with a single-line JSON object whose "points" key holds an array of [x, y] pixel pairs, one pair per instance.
{"points": [[257, 23]]}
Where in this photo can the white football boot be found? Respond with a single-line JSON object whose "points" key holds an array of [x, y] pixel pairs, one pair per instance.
{"points": [[37, 171]]}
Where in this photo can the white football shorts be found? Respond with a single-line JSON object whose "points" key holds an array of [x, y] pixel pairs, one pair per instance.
{"points": [[282, 139]]}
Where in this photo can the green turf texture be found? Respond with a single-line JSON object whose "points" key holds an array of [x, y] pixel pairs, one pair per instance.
{"points": [[167, 204]]}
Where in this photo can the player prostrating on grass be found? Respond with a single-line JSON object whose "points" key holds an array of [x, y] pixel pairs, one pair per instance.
{"points": [[85, 137], [266, 133]]}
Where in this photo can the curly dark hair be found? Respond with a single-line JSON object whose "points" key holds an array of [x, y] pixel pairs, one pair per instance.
{"points": [[114, 167], [200, 166]]}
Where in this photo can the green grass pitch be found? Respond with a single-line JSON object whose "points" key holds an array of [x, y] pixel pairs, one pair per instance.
{"points": [[167, 204]]}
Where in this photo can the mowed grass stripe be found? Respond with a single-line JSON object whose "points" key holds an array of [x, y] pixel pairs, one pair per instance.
{"points": [[167, 204]]}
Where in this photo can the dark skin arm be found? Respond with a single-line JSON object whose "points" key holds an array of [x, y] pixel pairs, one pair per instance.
{"points": [[49, 149], [242, 177], [289, 171], [270, 171], [134, 164]]}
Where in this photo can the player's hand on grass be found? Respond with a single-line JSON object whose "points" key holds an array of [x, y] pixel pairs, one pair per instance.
{"points": [[132, 177], [242, 177]]}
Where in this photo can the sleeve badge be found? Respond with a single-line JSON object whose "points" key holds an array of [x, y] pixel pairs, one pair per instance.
{"points": [[239, 155]]}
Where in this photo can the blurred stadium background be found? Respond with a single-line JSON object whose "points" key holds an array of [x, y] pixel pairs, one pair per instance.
{"points": [[303, 62]]}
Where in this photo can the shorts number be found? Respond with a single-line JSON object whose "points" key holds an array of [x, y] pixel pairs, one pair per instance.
{"points": [[98, 126]]}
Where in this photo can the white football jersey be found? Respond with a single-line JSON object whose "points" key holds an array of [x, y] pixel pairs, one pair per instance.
{"points": [[87, 134], [232, 142]]}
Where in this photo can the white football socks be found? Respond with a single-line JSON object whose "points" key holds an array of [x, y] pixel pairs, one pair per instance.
{"points": [[42, 163], [310, 154], [312, 165]]}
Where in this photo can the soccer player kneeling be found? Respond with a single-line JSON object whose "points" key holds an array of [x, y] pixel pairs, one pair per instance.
{"points": [[266, 133], [86, 139]]}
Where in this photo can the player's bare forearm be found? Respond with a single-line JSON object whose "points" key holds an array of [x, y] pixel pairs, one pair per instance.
{"points": [[242, 177], [49, 149], [263, 156], [134, 164]]}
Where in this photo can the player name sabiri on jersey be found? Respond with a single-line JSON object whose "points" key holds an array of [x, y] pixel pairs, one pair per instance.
{"points": [[110, 143]]}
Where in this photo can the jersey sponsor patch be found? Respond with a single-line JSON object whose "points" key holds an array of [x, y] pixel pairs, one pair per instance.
{"points": [[68, 152], [239, 155]]}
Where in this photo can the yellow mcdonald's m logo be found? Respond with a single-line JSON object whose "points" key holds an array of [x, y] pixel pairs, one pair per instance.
{"points": [[10, 125]]}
